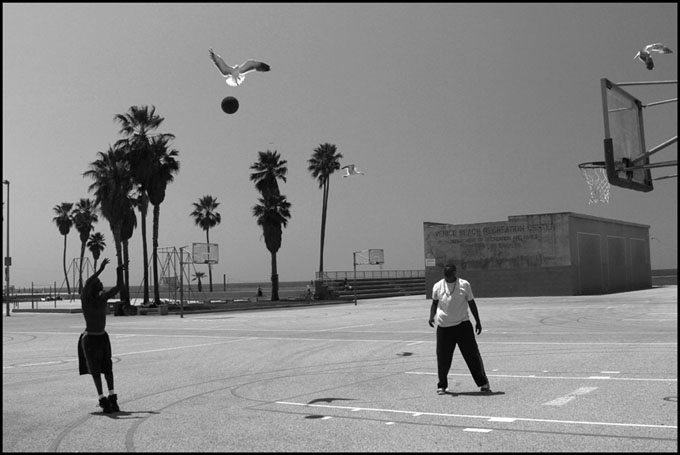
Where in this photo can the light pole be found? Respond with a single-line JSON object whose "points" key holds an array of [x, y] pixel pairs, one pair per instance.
{"points": [[8, 258]]}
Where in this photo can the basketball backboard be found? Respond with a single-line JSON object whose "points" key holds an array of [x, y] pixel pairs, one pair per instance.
{"points": [[371, 256], [625, 154], [205, 253]]}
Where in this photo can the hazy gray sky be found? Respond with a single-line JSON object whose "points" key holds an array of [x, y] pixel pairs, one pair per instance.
{"points": [[457, 113]]}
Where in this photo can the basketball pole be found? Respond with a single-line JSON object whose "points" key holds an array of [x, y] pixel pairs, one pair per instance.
{"points": [[659, 147], [354, 261], [624, 84], [8, 258], [181, 282]]}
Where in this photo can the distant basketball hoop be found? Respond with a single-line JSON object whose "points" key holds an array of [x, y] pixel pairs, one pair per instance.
{"points": [[369, 257], [366, 257], [201, 253], [205, 253]]}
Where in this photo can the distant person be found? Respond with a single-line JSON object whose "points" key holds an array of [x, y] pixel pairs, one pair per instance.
{"points": [[259, 291], [451, 298], [94, 346], [308, 293], [346, 285]]}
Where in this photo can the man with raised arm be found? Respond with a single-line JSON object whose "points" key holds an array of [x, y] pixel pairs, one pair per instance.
{"points": [[94, 346]]}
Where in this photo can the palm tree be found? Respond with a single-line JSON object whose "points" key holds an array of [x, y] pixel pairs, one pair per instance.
{"points": [[84, 216], [96, 245], [129, 225], [136, 124], [269, 168], [112, 185], [322, 164], [64, 222], [165, 166], [272, 214], [198, 276], [206, 217]]}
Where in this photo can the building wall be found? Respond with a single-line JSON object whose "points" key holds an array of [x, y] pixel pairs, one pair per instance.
{"points": [[609, 255], [544, 254]]}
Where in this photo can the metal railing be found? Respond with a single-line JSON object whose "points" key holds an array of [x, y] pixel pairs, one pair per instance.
{"points": [[369, 274]]}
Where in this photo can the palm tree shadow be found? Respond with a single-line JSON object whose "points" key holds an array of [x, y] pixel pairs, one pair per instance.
{"points": [[124, 414]]}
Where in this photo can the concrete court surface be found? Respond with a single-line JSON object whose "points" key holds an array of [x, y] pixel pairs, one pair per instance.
{"points": [[568, 374]]}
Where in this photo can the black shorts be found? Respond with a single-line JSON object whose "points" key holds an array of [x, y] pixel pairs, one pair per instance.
{"points": [[94, 354]]}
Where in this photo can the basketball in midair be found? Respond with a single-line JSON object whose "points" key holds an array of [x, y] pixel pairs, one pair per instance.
{"points": [[230, 105]]}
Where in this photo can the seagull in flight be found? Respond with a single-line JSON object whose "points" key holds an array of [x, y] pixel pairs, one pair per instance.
{"points": [[351, 170], [644, 54], [235, 74]]}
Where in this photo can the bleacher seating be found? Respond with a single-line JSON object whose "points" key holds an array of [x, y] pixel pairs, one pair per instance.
{"points": [[375, 288]]}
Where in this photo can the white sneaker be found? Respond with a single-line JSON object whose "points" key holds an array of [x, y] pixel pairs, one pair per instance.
{"points": [[441, 391]]}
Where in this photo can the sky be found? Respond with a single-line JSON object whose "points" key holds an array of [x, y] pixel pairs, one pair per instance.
{"points": [[456, 113]]}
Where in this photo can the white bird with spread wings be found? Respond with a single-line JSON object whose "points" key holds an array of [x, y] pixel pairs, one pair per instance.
{"points": [[644, 54], [351, 169], [235, 74]]}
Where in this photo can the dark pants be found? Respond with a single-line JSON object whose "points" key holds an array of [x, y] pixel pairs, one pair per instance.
{"points": [[462, 335], [94, 354]]}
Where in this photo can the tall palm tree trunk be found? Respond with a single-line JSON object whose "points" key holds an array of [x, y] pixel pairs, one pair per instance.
{"points": [[68, 287], [207, 240], [142, 210], [124, 296], [275, 279], [324, 207], [80, 271], [154, 254], [126, 260]]}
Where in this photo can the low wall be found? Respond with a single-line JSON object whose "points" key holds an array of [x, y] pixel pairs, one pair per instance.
{"points": [[511, 283]]}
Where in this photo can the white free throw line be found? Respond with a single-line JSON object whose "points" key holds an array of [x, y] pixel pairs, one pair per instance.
{"points": [[350, 340], [488, 418], [178, 347]]}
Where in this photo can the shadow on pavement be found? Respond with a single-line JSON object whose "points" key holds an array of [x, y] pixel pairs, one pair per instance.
{"points": [[123, 414]]}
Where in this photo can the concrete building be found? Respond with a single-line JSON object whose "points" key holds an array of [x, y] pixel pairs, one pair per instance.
{"points": [[543, 254]]}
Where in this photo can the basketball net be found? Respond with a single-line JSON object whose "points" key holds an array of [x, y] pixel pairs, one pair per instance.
{"points": [[596, 177]]}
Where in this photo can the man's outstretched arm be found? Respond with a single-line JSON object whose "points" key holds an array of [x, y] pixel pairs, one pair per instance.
{"points": [[119, 282]]}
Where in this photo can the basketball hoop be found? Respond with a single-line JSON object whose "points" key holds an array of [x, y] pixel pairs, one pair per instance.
{"points": [[595, 174]]}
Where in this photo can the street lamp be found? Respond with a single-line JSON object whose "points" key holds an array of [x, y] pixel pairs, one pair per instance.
{"points": [[8, 258]]}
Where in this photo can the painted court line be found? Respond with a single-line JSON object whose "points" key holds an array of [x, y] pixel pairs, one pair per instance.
{"points": [[180, 347], [350, 340], [126, 353], [487, 418], [53, 362], [561, 401], [340, 328], [533, 376]]}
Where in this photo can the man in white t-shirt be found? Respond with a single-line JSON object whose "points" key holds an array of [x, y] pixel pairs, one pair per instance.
{"points": [[451, 298]]}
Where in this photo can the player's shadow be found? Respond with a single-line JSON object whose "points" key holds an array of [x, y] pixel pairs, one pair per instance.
{"points": [[329, 400], [474, 394], [125, 414]]}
